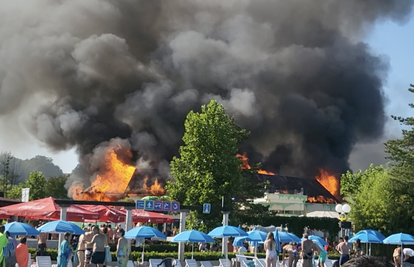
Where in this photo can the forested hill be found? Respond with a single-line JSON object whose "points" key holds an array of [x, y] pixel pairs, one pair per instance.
{"points": [[21, 169]]}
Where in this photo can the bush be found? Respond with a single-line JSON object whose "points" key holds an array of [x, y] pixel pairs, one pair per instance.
{"points": [[198, 256]]}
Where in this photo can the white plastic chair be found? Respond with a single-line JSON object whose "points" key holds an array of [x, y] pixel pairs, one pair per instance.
{"points": [[43, 261], [225, 263], [155, 262], [191, 263], [206, 264]]}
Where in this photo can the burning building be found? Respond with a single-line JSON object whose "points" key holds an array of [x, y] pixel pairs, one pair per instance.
{"points": [[296, 74], [324, 188]]}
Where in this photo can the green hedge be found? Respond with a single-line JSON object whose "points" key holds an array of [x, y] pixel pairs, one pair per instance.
{"points": [[199, 256]]}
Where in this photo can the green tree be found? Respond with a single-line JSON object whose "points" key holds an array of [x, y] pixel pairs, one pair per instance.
{"points": [[371, 200], [55, 187], [401, 154], [10, 171], [208, 168], [37, 184]]}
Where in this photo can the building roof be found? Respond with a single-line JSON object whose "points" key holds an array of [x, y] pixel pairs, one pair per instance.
{"points": [[7, 201], [311, 187]]}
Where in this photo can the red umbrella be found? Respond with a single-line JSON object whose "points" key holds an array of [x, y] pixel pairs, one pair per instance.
{"points": [[47, 209]]}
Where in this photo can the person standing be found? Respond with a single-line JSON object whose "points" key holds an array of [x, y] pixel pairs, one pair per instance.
{"points": [[99, 242], [270, 248], [3, 244], [308, 249], [41, 243], [88, 247], [396, 256], [81, 249], [10, 250], [344, 249], [65, 252], [22, 253], [358, 248], [122, 253]]}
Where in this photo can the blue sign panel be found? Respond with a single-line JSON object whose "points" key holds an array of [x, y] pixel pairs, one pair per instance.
{"points": [[175, 206], [166, 206], [140, 204], [157, 205], [149, 205], [206, 208]]}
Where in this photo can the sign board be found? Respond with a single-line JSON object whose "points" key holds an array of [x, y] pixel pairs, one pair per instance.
{"points": [[25, 194], [140, 204], [157, 205], [149, 205], [175, 206], [166, 205], [206, 208]]}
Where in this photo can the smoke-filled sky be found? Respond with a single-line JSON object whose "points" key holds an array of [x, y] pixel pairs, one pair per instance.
{"points": [[300, 75]]}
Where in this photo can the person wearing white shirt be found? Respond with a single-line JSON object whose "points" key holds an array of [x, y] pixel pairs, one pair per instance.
{"points": [[409, 256]]}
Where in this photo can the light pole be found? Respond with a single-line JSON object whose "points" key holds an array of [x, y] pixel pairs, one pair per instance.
{"points": [[343, 211]]}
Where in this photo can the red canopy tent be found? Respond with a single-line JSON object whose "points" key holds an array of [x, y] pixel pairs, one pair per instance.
{"points": [[47, 209], [106, 214], [110, 214]]}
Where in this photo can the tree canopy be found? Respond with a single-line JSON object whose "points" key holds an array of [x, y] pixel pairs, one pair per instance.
{"points": [[208, 169], [370, 197], [401, 154], [40, 187], [383, 197]]}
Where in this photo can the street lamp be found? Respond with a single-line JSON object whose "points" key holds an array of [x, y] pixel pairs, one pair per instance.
{"points": [[343, 210]]}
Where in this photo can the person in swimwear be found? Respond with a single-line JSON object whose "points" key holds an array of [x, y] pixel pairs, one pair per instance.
{"points": [[270, 248]]}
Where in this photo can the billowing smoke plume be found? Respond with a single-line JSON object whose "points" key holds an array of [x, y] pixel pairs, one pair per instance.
{"points": [[295, 73]]}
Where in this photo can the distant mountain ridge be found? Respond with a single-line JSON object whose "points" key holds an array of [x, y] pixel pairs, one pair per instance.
{"points": [[22, 168]]}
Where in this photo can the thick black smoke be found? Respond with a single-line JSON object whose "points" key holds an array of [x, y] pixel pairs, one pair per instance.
{"points": [[295, 73]]}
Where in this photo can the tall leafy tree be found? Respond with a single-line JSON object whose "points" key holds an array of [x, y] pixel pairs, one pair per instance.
{"points": [[55, 187], [370, 198], [37, 184], [207, 168], [401, 154]]}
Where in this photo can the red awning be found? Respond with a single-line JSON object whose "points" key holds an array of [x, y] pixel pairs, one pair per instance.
{"points": [[47, 209], [106, 214], [116, 215]]}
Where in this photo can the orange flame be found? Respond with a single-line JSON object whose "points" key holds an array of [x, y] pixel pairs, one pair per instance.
{"points": [[110, 183], [321, 199], [330, 182], [246, 165], [154, 190]]}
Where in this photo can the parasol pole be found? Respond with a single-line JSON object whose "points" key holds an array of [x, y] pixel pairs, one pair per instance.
{"points": [[142, 255], [192, 250]]}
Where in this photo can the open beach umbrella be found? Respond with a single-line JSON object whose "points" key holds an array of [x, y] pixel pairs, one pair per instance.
{"points": [[192, 236], [368, 236], [61, 227], [239, 241], [258, 237], [320, 246], [227, 231], [400, 239], [18, 228], [286, 237], [320, 239], [150, 198], [144, 232]]}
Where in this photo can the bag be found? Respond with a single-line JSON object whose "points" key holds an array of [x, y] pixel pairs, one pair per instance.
{"points": [[75, 257], [108, 257]]}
